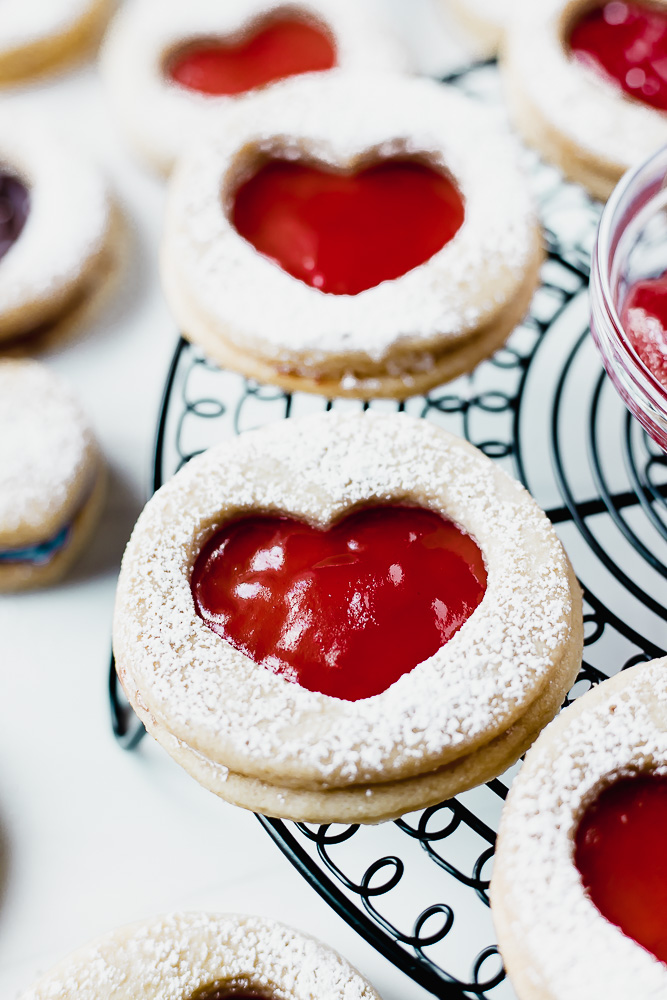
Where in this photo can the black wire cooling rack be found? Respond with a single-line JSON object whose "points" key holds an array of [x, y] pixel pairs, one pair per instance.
{"points": [[417, 888]]}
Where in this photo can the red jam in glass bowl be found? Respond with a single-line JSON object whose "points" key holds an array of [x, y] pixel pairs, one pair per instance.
{"points": [[628, 293], [345, 611], [621, 857]]}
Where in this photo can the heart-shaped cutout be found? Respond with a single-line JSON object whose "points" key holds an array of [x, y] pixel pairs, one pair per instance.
{"points": [[626, 43], [14, 207], [285, 46], [644, 319], [620, 854], [345, 611], [344, 233]]}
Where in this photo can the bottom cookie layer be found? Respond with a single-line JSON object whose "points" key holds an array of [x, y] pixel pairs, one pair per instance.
{"points": [[27, 576], [416, 371], [383, 801]]}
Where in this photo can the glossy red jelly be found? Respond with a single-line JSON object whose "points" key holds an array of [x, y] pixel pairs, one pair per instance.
{"points": [[644, 319], [343, 233], [621, 856], [345, 611], [282, 47], [626, 43]]}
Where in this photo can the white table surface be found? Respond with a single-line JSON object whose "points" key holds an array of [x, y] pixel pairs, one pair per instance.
{"points": [[92, 837]]}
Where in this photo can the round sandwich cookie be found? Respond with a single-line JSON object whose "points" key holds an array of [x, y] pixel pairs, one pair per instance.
{"points": [[52, 478], [204, 956], [38, 36], [170, 68], [366, 254], [580, 877], [484, 21], [345, 617], [586, 84], [60, 235]]}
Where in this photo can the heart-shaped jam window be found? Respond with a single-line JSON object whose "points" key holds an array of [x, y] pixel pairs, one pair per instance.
{"points": [[644, 319], [620, 853], [347, 610], [344, 233], [14, 207], [627, 44], [279, 48]]}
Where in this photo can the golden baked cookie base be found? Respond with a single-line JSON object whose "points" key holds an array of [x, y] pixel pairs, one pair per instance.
{"points": [[361, 381], [60, 319], [28, 576], [49, 54], [597, 175], [373, 803]]}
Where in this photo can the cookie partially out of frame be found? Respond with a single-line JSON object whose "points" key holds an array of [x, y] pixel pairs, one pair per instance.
{"points": [[203, 956], [52, 477], [37, 36], [61, 237], [458, 718], [555, 942], [162, 116], [397, 337], [576, 116]]}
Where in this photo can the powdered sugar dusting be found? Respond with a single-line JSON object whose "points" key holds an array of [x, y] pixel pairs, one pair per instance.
{"points": [[46, 448], [183, 954], [616, 730], [30, 20], [68, 218], [239, 714], [163, 118], [340, 121], [573, 99]]}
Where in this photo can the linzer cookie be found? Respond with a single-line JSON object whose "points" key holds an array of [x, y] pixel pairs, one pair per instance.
{"points": [[580, 878], [37, 36], [170, 67], [586, 84], [352, 254], [52, 477], [59, 235], [204, 956], [344, 618]]}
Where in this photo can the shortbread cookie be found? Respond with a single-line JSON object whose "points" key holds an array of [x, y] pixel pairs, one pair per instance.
{"points": [[204, 956], [51, 477], [585, 87], [59, 233], [484, 20], [37, 36], [579, 877], [172, 67], [345, 688], [365, 254]]}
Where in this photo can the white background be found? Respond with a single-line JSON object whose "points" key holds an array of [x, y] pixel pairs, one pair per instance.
{"points": [[92, 837]]}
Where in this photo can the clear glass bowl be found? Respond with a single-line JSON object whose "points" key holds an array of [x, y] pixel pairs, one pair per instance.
{"points": [[631, 245]]}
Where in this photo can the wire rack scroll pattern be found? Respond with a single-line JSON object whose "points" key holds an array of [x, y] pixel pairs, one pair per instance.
{"points": [[417, 889]]}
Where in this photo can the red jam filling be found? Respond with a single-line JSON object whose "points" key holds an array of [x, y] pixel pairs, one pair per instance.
{"points": [[14, 207], [345, 611], [343, 233], [620, 853], [627, 44], [644, 319], [283, 47]]}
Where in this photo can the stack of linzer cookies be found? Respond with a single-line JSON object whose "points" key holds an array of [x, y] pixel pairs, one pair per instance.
{"points": [[343, 618]]}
